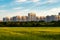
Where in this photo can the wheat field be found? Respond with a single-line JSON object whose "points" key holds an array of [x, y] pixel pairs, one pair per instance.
{"points": [[29, 33]]}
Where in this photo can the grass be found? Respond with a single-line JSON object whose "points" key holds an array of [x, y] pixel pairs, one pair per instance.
{"points": [[29, 33]]}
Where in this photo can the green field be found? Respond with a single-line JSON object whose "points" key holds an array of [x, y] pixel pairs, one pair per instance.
{"points": [[29, 33]]}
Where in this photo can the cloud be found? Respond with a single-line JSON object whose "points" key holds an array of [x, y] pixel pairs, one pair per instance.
{"points": [[35, 0], [47, 2], [18, 12], [3, 11], [17, 8], [53, 11], [21, 0], [26, 11], [27, 1], [53, 1]]}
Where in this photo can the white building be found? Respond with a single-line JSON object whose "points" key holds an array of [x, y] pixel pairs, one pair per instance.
{"points": [[31, 17]]}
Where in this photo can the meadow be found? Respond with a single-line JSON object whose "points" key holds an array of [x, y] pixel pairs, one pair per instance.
{"points": [[29, 33]]}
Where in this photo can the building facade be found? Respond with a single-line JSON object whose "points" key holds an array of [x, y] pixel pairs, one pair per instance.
{"points": [[6, 19], [15, 18], [31, 17]]}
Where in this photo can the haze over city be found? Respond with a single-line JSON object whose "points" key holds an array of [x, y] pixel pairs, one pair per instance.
{"points": [[23, 7]]}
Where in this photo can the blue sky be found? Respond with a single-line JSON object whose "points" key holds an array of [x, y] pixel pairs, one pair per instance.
{"points": [[23, 7]]}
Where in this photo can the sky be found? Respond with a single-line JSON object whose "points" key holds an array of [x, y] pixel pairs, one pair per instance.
{"points": [[9, 8]]}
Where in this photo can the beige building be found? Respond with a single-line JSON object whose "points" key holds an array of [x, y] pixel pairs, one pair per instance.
{"points": [[31, 17], [19, 18], [24, 18]]}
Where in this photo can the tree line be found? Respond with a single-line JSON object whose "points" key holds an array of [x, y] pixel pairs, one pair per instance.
{"points": [[30, 24]]}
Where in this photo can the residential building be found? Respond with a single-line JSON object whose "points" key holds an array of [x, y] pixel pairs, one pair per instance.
{"points": [[15, 18], [6, 19], [37, 18], [24, 18], [42, 18], [47, 19], [31, 17]]}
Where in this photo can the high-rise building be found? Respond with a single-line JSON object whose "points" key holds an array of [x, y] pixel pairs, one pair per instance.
{"points": [[24, 18], [52, 18], [37, 18], [47, 19], [59, 17], [18, 18], [42, 18], [15, 18], [59, 13], [6, 19], [31, 17]]}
